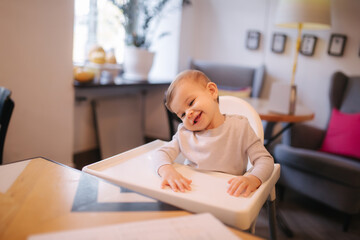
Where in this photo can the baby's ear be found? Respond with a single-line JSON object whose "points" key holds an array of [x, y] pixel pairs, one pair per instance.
{"points": [[212, 88]]}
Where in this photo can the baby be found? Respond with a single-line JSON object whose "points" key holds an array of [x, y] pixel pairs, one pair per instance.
{"points": [[210, 140]]}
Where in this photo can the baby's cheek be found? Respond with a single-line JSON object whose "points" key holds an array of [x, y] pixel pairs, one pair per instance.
{"points": [[189, 126]]}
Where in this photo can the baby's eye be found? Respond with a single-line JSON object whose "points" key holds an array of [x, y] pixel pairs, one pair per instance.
{"points": [[182, 115], [192, 102]]}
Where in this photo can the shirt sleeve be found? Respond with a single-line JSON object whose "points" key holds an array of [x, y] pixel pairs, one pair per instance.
{"points": [[260, 158], [166, 154]]}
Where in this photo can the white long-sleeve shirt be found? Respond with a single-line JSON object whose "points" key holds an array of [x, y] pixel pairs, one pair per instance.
{"points": [[224, 149]]}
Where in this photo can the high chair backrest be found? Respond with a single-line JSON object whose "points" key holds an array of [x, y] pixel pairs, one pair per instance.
{"points": [[238, 106]]}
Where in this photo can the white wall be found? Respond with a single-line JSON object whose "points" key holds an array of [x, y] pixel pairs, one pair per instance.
{"points": [[36, 65], [216, 30]]}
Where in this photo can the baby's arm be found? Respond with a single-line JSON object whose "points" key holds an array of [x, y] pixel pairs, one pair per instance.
{"points": [[262, 162], [172, 178], [162, 159], [243, 185]]}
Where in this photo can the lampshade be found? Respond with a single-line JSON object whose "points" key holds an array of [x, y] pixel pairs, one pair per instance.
{"points": [[311, 14]]}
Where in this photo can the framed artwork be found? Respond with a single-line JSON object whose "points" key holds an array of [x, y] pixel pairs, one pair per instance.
{"points": [[253, 40], [337, 45], [278, 43], [308, 44]]}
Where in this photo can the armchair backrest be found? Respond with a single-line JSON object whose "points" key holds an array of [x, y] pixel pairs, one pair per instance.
{"points": [[232, 75], [345, 93]]}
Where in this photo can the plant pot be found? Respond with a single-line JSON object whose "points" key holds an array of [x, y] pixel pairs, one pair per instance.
{"points": [[137, 63]]}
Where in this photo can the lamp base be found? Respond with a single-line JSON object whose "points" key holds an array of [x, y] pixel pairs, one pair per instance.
{"points": [[292, 100], [282, 98]]}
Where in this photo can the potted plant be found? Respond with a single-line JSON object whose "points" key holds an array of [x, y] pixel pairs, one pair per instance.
{"points": [[140, 19]]}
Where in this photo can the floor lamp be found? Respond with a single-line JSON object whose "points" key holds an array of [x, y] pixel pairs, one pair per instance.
{"points": [[301, 14]]}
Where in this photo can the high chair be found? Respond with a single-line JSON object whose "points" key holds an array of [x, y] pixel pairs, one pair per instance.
{"points": [[133, 170]]}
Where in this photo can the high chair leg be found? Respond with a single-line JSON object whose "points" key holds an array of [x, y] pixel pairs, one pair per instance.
{"points": [[252, 227], [272, 214]]}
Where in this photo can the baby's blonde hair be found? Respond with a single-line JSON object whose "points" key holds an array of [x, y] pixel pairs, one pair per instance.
{"points": [[195, 76]]}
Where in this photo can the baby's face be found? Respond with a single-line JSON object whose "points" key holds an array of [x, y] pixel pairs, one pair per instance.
{"points": [[195, 105]]}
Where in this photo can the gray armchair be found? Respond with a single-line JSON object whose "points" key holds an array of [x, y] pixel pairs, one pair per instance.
{"points": [[328, 178], [232, 75]]}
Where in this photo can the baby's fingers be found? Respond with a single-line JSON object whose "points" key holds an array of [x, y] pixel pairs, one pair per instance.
{"points": [[183, 184], [236, 187], [247, 192], [233, 186], [164, 183], [241, 188], [180, 185], [187, 183], [174, 186], [250, 188], [170, 183]]}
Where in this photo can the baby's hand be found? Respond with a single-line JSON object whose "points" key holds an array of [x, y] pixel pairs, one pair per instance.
{"points": [[171, 177], [243, 185]]}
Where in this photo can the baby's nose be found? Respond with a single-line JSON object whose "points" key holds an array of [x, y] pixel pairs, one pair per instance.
{"points": [[189, 113]]}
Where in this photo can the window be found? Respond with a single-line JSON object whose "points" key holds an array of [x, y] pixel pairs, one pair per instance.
{"points": [[97, 22]]}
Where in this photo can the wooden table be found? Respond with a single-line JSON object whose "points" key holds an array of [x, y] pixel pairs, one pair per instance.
{"points": [[261, 106], [302, 113], [45, 196]]}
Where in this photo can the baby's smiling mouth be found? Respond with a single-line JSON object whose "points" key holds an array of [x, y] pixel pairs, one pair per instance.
{"points": [[197, 118]]}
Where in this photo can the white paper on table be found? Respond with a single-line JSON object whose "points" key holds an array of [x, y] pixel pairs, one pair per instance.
{"points": [[193, 227], [9, 173]]}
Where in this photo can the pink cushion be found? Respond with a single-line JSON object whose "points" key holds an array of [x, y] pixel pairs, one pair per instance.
{"points": [[343, 134]]}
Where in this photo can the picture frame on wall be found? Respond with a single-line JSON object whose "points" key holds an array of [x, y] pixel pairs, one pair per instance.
{"points": [[308, 44], [278, 43], [337, 45], [253, 40]]}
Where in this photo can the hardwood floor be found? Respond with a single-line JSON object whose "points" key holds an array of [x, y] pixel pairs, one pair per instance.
{"points": [[309, 220]]}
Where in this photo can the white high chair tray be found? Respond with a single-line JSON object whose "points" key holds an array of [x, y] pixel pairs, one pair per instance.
{"points": [[133, 169]]}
